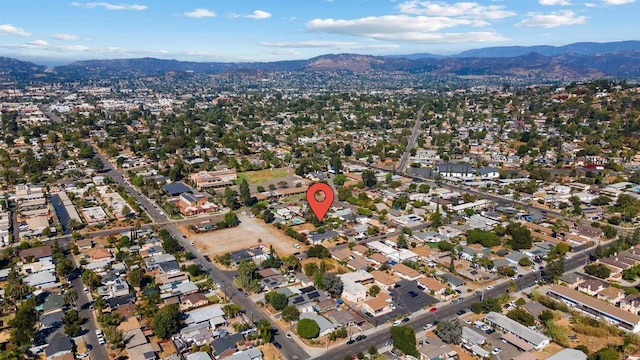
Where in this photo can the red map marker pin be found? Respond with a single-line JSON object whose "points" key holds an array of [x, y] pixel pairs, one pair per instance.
{"points": [[320, 207]]}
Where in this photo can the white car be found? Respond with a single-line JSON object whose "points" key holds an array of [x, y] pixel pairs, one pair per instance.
{"points": [[467, 321], [101, 341], [489, 287], [496, 351], [85, 290], [396, 323], [427, 326], [289, 336]]}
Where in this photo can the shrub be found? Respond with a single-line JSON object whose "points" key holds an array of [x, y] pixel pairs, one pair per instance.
{"points": [[308, 329]]}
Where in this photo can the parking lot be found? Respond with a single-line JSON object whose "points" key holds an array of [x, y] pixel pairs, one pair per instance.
{"points": [[408, 297], [495, 339]]}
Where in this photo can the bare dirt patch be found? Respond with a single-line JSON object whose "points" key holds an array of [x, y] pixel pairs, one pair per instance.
{"points": [[244, 236]]}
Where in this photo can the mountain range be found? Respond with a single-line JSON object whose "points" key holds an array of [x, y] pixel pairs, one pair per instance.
{"points": [[573, 61]]}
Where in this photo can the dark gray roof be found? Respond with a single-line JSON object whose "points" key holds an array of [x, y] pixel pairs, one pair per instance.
{"points": [[59, 345], [223, 344], [169, 266], [120, 300], [452, 280], [176, 188], [53, 319]]}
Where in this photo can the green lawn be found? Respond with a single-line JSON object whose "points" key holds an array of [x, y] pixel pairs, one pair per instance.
{"points": [[254, 177]]}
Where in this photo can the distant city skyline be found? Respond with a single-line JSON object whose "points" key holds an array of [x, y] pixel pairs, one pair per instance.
{"points": [[197, 30]]}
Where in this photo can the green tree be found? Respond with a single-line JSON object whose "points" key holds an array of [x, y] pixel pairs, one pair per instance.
{"points": [[369, 178], [64, 267], [72, 323], [91, 279], [232, 310], [247, 272], [319, 251], [554, 270], [520, 236], [23, 324], [245, 194], [230, 219], [404, 339], [450, 331], [525, 261], [265, 330], [290, 313], [71, 296], [224, 260], [374, 290], [598, 270], [333, 284], [310, 269], [402, 241], [277, 300], [308, 329], [521, 316], [167, 321], [607, 353]]}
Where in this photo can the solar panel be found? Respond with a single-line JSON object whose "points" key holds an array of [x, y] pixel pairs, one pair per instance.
{"points": [[298, 300], [313, 295]]}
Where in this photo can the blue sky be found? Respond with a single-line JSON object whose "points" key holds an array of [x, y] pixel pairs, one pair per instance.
{"points": [[268, 30]]}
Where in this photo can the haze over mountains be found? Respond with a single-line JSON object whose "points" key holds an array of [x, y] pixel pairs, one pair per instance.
{"points": [[573, 61]]}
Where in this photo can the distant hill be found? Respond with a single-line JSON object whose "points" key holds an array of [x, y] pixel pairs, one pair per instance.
{"points": [[581, 48], [575, 61], [19, 70]]}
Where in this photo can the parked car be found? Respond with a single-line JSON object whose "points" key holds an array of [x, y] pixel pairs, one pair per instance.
{"points": [[351, 341], [461, 312], [496, 351], [206, 257], [433, 309], [405, 320], [396, 323], [489, 287], [289, 336], [427, 326], [277, 345], [412, 294], [361, 337]]}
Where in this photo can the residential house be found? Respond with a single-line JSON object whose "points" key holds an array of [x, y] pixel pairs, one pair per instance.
{"points": [[406, 272], [59, 346], [325, 325], [630, 303], [354, 289], [434, 348], [383, 280], [40, 253], [611, 295], [592, 286], [433, 286], [378, 305]]}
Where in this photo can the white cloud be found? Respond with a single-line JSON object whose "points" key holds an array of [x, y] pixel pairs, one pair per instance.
{"points": [[8, 29], [618, 2], [328, 44], [257, 15], [388, 24], [200, 13], [38, 43], [590, 5], [554, 19], [422, 29], [65, 37], [554, 2], [461, 9], [110, 6]]}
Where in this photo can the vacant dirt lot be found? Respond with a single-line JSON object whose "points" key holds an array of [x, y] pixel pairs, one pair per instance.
{"points": [[243, 236]]}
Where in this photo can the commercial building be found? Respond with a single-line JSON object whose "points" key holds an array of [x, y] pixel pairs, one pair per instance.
{"points": [[596, 308], [518, 334]]}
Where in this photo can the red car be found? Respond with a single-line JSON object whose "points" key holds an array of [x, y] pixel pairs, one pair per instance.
{"points": [[433, 309]]}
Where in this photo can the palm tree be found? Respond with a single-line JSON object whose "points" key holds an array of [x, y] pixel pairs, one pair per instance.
{"points": [[71, 296], [16, 290]]}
